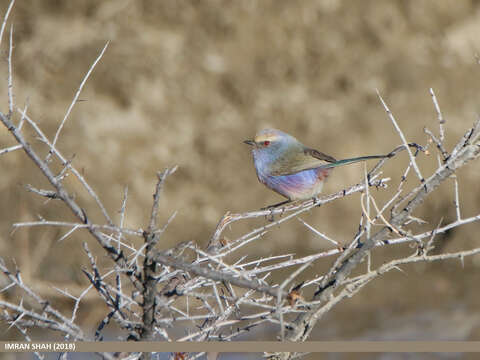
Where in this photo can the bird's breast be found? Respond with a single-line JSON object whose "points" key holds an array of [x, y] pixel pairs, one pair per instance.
{"points": [[299, 186]]}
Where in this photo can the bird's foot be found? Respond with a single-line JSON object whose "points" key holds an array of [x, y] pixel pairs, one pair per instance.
{"points": [[276, 205], [270, 217]]}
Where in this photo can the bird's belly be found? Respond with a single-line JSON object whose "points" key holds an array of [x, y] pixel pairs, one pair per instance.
{"points": [[300, 186]]}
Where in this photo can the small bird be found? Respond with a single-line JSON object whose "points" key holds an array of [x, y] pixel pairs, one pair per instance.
{"points": [[291, 169]]}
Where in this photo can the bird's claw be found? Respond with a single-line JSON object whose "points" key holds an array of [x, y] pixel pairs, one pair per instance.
{"points": [[269, 207]]}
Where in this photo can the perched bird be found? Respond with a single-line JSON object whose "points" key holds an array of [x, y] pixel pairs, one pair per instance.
{"points": [[291, 169]]}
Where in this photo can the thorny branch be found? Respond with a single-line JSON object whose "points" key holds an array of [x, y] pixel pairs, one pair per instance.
{"points": [[213, 293], [465, 151], [149, 265]]}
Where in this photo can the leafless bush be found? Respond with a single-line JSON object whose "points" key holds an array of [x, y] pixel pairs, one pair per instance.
{"points": [[150, 293]]}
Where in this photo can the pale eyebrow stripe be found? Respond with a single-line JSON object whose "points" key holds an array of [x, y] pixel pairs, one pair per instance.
{"points": [[263, 137]]}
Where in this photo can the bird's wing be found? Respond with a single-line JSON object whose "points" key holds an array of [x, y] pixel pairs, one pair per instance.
{"points": [[319, 155], [294, 162]]}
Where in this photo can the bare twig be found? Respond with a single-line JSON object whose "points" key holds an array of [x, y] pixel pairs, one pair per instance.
{"points": [[437, 142], [294, 209], [305, 322], [151, 294], [10, 149], [319, 233], [404, 140], [75, 98], [441, 120], [77, 225], [457, 201], [66, 198], [10, 74], [215, 275], [149, 282], [5, 19], [66, 163]]}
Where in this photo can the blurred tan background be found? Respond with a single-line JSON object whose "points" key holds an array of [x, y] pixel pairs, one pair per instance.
{"points": [[185, 82]]}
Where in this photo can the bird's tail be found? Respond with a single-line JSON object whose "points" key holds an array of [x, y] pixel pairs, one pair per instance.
{"points": [[352, 161]]}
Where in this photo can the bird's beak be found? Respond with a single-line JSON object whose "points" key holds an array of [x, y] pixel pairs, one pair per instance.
{"points": [[249, 142]]}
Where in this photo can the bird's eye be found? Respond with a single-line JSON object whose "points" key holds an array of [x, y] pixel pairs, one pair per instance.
{"points": [[266, 143]]}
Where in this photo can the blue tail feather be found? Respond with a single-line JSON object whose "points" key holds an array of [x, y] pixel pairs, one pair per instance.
{"points": [[352, 161]]}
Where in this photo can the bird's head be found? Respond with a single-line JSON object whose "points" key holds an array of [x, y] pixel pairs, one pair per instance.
{"points": [[271, 141]]}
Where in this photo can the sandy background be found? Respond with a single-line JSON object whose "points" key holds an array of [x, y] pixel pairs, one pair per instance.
{"points": [[185, 82]]}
